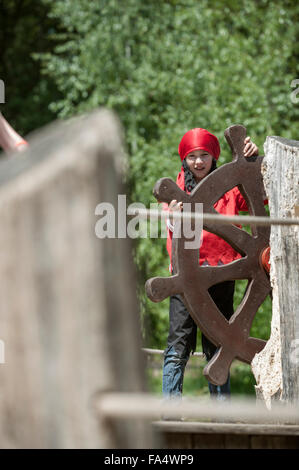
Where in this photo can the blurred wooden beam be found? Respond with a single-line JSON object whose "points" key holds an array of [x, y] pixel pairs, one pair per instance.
{"points": [[68, 310]]}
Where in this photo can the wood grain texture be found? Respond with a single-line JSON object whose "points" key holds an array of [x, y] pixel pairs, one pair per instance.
{"points": [[203, 435], [276, 368], [68, 310]]}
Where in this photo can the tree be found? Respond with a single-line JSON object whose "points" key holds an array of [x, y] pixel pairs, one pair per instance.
{"points": [[25, 29]]}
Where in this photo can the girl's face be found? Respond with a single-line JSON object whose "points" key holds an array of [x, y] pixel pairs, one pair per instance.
{"points": [[199, 163]]}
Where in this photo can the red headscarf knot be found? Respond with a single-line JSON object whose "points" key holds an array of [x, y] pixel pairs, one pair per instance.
{"points": [[199, 139]]}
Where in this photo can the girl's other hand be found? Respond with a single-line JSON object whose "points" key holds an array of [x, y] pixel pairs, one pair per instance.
{"points": [[174, 206], [250, 148]]}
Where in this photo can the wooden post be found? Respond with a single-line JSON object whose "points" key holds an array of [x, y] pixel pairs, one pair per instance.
{"points": [[276, 368], [68, 310]]}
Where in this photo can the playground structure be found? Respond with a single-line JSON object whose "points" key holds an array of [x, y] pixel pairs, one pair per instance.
{"points": [[74, 371]]}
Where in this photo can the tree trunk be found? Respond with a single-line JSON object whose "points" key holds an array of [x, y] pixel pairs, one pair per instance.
{"points": [[276, 368]]}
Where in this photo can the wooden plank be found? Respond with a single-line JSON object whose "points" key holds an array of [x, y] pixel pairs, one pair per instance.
{"points": [[68, 310], [274, 442], [227, 436], [178, 441], [237, 441], [209, 441], [226, 428]]}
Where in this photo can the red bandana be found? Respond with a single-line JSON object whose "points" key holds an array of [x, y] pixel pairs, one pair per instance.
{"points": [[199, 139]]}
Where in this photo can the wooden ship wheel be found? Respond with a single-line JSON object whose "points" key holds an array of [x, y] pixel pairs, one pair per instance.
{"points": [[192, 281]]}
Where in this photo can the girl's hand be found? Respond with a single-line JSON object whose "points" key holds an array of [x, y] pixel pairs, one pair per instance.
{"points": [[174, 206], [250, 148]]}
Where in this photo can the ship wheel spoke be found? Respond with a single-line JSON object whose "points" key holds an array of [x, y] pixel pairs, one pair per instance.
{"points": [[237, 269], [159, 288]]}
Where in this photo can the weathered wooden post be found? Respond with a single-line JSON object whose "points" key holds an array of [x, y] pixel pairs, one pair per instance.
{"points": [[276, 367], [68, 311]]}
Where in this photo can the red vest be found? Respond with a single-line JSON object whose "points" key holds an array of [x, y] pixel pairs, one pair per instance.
{"points": [[214, 248]]}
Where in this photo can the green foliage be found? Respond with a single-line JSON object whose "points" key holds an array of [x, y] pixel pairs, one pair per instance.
{"points": [[261, 324], [25, 29]]}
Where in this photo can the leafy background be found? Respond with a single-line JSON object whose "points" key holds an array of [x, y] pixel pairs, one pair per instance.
{"points": [[164, 67]]}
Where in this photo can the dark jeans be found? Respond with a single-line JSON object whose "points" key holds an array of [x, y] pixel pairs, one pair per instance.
{"points": [[182, 340]]}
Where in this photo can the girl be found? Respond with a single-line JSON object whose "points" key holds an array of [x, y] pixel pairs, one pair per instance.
{"points": [[199, 150]]}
